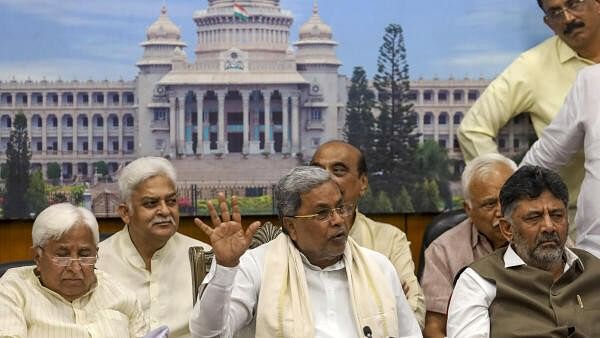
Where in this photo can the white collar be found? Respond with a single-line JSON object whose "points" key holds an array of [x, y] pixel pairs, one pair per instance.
{"points": [[512, 259]]}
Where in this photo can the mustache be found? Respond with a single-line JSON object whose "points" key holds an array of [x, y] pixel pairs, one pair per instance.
{"points": [[157, 220], [572, 26], [547, 237]]}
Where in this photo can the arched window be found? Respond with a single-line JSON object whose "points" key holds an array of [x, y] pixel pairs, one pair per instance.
{"points": [[443, 118]]}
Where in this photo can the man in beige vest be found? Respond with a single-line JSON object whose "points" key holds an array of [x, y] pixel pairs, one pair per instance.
{"points": [[348, 167], [535, 287], [310, 281]]}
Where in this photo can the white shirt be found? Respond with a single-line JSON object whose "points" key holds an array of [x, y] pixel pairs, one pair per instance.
{"points": [[577, 126], [28, 309], [231, 296], [468, 314], [165, 293]]}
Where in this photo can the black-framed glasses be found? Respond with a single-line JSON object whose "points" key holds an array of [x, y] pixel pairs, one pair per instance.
{"points": [[572, 6], [325, 215], [66, 261]]}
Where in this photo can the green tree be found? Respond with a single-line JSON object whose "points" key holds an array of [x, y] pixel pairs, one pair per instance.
{"points": [[36, 194], [77, 193], [433, 195], [395, 141], [402, 203], [383, 202], [101, 168], [431, 162], [18, 156], [3, 170], [53, 172], [360, 122]]}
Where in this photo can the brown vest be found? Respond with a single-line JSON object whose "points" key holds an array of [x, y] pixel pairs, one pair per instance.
{"points": [[530, 304]]}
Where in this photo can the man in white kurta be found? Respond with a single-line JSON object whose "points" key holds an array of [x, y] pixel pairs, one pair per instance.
{"points": [[28, 309], [148, 255], [311, 281]]}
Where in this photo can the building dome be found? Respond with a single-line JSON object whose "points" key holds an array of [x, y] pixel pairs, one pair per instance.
{"points": [[315, 28], [163, 28]]}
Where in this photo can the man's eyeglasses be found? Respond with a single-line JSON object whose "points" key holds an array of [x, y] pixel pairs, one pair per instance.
{"points": [[66, 261], [326, 214], [572, 6]]}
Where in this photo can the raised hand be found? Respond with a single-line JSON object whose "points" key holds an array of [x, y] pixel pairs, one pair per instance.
{"points": [[227, 237]]}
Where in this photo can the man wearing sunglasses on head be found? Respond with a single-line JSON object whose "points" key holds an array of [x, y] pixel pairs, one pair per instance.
{"points": [[62, 295], [537, 82], [311, 281]]}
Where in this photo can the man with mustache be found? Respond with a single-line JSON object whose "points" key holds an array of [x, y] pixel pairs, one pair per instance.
{"points": [[148, 255], [310, 281], [474, 238], [535, 287], [537, 82], [348, 168]]}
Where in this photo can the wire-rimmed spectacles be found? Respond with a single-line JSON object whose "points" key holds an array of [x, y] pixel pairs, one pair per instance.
{"points": [[325, 215], [66, 261], [572, 6]]}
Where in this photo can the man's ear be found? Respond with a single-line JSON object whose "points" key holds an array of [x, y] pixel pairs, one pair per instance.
{"points": [[290, 227], [506, 228], [467, 207], [363, 180], [124, 212], [35, 254]]}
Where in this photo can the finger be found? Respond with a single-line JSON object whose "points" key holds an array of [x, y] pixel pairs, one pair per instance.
{"points": [[235, 208], [204, 227], [251, 230], [224, 208], [214, 218]]}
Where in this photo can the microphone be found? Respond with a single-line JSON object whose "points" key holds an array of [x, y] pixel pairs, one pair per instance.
{"points": [[367, 331]]}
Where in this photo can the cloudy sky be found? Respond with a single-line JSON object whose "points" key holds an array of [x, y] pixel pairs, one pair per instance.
{"points": [[96, 39]]}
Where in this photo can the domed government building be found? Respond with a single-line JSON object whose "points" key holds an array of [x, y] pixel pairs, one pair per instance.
{"points": [[253, 104]]}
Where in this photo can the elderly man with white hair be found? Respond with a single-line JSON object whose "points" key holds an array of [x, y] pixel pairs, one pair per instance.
{"points": [[62, 295], [475, 237], [148, 255]]}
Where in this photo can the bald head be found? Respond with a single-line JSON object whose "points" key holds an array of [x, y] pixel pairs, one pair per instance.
{"points": [[347, 166]]}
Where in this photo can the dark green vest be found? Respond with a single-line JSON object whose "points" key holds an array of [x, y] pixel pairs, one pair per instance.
{"points": [[530, 304]]}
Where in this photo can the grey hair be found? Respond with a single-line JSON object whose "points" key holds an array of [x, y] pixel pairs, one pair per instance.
{"points": [[57, 219], [298, 181], [142, 169], [481, 166]]}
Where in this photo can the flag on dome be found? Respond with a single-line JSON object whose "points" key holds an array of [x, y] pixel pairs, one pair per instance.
{"points": [[240, 12]]}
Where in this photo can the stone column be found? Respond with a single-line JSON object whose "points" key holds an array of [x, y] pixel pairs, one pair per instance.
{"points": [[268, 147], [181, 126], [285, 139], [222, 143], [14, 99], [44, 99], [59, 134], [29, 100], [436, 126], [172, 126], [105, 136], [44, 133], [246, 127], [295, 123], [59, 94], [121, 128], [74, 137], [105, 99], [28, 116], [90, 134], [200, 119], [450, 145]]}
